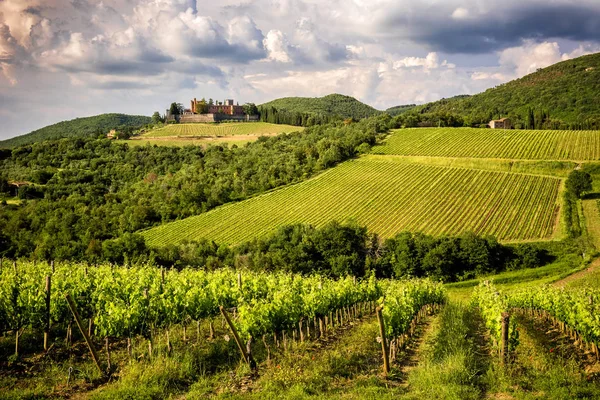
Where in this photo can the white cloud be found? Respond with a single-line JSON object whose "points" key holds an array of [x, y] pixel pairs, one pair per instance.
{"points": [[460, 13], [277, 46], [431, 61], [531, 56]]}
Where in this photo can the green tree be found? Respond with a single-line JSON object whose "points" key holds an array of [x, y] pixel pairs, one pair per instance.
{"points": [[579, 182], [176, 109], [156, 118], [250, 109]]}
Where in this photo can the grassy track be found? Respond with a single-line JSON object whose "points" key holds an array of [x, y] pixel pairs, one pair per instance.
{"points": [[223, 129], [492, 143], [388, 197], [177, 142], [591, 213]]}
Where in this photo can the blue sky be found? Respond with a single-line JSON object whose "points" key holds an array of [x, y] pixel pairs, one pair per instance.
{"points": [[62, 59]]}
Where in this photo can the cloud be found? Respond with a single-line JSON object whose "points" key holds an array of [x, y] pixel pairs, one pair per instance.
{"points": [[82, 57], [531, 56], [478, 28], [277, 46]]}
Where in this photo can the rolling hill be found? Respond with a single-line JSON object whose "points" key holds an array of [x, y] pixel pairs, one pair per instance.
{"points": [[566, 91], [79, 127], [332, 105]]}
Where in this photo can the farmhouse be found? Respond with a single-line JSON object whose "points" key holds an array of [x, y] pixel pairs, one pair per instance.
{"points": [[503, 123]]}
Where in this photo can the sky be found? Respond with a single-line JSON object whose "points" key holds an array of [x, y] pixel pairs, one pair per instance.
{"points": [[62, 59]]}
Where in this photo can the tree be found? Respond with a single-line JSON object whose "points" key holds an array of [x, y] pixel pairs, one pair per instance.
{"points": [[156, 118], [250, 109], [176, 109], [201, 107], [579, 182]]}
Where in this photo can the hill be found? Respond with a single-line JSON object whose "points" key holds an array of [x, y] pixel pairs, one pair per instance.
{"points": [[396, 110], [79, 127], [563, 95], [331, 105]]}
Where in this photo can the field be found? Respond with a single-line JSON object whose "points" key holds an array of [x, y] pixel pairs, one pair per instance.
{"points": [[388, 196], [221, 130], [179, 142], [494, 143]]}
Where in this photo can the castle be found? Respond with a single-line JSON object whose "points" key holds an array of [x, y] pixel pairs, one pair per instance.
{"points": [[226, 108], [201, 111]]}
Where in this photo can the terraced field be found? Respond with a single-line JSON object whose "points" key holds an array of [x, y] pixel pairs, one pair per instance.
{"points": [[222, 129], [388, 196], [494, 143]]}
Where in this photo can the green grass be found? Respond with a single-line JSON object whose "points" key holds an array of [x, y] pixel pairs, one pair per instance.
{"points": [[493, 143], [221, 130], [452, 365], [169, 142], [533, 167], [388, 196], [519, 279]]}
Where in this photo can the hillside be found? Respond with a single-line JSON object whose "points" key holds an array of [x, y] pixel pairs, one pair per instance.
{"points": [[567, 91], [396, 110], [332, 105], [79, 127], [388, 196]]}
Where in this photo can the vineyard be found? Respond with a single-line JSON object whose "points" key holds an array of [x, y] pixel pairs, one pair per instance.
{"points": [[138, 301], [222, 129], [146, 302], [388, 197], [494, 143]]}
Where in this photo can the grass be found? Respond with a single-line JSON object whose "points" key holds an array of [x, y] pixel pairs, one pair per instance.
{"points": [[538, 371], [388, 196], [513, 280], [453, 365], [227, 129], [591, 214], [534, 167], [189, 142], [494, 143]]}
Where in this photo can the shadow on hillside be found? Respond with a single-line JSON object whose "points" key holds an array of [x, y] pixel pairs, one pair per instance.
{"points": [[591, 196]]}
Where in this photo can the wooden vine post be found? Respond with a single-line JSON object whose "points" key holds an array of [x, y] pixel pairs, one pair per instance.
{"points": [[47, 313], [384, 346], [504, 339], [236, 337], [88, 341]]}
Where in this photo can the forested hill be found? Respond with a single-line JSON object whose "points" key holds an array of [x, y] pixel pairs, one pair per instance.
{"points": [[564, 95], [79, 127], [330, 105], [396, 110]]}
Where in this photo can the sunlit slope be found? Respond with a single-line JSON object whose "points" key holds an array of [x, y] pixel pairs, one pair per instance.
{"points": [[494, 143], [222, 129], [388, 196]]}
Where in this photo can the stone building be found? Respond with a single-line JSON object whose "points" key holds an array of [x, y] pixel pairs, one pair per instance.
{"points": [[503, 123], [228, 108]]}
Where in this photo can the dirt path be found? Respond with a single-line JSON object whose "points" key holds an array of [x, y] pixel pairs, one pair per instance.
{"points": [[579, 275]]}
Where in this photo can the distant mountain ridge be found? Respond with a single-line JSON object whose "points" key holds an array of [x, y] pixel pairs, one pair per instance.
{"points": [[563, 95], [330, 105], [78, 127]]}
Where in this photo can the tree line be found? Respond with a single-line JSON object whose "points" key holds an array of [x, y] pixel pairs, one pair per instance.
{"points": [[339, 250]]}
